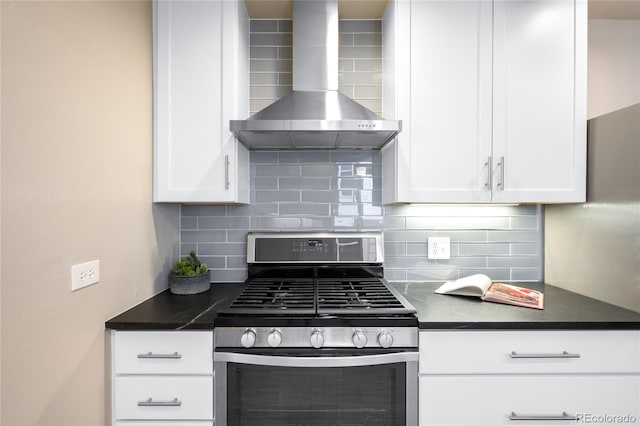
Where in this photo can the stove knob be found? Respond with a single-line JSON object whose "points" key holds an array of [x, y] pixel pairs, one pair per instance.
{"points": [[248, 338], [385, 339], [317, 339], [359, 339], [274, 338]]}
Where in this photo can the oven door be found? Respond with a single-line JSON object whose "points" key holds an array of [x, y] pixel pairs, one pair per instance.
{"points": [[363, 390]]}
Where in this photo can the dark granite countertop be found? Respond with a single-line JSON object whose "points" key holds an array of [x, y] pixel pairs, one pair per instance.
{"points": [[563, 310], [166, 311]]}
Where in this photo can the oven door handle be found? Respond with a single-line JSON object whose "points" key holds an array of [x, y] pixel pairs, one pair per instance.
{"points": [[303, 361]]}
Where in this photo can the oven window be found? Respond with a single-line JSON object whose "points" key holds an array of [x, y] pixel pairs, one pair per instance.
{"points": [[336, 396]]}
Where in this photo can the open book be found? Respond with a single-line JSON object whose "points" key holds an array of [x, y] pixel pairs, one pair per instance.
{"points": [[480, 285]]}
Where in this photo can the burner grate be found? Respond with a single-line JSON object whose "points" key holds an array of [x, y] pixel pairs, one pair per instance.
{"points": [[356, 296], [284, 296], [320, 296]]}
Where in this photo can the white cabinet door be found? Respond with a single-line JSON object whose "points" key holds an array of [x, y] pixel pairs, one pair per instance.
{"points": [[539, 108], [196, 92], [442, 153]]}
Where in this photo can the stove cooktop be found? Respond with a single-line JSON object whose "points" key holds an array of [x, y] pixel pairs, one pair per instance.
{"points": [[318, 278], [317, 297]]}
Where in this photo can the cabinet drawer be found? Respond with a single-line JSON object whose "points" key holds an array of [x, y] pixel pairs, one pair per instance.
{"points": [[491, 400], [164, 397], [482, 352], [163, 352]]}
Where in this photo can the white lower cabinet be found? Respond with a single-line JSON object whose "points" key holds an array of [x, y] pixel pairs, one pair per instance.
{"points": [[162, 378], [529, 377]]}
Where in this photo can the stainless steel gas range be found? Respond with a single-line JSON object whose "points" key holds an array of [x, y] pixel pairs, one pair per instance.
{"points": [[316, 337]]}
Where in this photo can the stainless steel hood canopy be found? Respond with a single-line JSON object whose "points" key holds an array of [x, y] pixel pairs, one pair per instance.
{"points": [[315, 115]]}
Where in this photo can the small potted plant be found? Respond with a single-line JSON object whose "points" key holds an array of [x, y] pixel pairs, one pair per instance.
{"points": [[189, 276]]}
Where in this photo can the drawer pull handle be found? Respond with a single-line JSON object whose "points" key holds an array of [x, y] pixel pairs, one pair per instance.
{"points": [[564, 354], [151, 403], [563, 416], [151, 355]]}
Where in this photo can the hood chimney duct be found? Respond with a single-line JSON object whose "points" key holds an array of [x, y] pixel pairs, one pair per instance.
{"points": [[314, 115]]}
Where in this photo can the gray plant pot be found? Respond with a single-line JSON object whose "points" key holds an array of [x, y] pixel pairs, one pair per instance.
{"points": [[180, 284]]}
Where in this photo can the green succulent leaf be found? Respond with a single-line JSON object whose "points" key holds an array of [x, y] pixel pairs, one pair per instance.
{"points": [[190, 266]]}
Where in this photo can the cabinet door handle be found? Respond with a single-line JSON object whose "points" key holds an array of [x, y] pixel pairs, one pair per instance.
{"points": [[226, 172], [564, 354], [489, 183], [175, 402], [563, 416], [151, 355], [500, 185]]}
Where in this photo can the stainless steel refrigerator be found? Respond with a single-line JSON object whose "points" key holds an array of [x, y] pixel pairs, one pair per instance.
{"points": [[594, 248]]}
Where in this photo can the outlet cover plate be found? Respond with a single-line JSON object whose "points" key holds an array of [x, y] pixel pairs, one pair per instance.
{"points": [[439, 248], [85, 274]]}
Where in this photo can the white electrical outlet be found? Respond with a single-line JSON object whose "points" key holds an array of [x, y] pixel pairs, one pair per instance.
{"points": [[85, 274], [439, 248]]}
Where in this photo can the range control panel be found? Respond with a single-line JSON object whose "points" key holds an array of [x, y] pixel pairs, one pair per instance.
{"points": [[315, 248]]}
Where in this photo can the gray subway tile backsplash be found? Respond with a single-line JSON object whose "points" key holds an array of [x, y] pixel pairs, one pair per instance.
{"points": [[263, 78], [188, 222], [270, 39], [304, 157], [285, 52], [360, 26], [263, 26], [285, 78], [341, 190], [368, 39], [227, 222], [279, 196], [285, 25], [272, 65], [360, 62], [483, 249], [361, 52], [198, 236], [214, 262], [269, 91], [230, 249], [346, 39], [264, 52]]}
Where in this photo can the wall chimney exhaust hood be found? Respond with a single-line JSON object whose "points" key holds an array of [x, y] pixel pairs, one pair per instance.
{"points": [[315, 115]]}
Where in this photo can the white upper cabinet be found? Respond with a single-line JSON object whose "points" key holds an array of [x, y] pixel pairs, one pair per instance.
{"points": [[201, 71], [539, 100], [492, 96]]}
